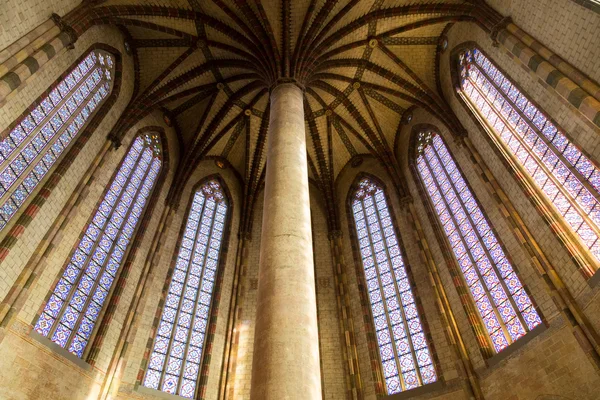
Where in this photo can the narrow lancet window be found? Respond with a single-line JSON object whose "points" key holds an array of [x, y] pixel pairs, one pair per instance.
{"points": [[403, 348], [503, 304], [179, 345], [34, 145], [568, 179], [72, 309]]}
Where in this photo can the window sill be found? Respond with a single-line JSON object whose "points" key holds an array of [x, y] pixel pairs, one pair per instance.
{"points": [[421, 390], [157, 393], [516, 346], [60, 351]]}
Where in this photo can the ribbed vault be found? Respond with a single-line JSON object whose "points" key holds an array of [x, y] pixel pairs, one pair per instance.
{"points": [[210, 65]]}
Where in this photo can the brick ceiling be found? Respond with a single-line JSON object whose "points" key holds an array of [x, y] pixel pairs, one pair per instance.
{"points": [[210, 65]]}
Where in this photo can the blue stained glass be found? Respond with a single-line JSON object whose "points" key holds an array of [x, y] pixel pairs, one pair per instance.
{"points": [[558, 154], [188, 274], [381, 280], [30, 127], [102, 257], [465, 212]]}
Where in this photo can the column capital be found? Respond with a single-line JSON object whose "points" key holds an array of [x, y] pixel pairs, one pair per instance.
{"points": [[66, 28], [284, 81], [244, 235], [504, 22], [335, 234], [116, 141], [406, 201]]}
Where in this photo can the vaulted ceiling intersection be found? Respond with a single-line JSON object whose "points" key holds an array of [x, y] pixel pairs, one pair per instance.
{"points": [[211, 64]]}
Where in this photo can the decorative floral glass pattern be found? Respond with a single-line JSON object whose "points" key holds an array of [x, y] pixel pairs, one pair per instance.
{"points": [[403, 347], [177, 353], [70, 314], [504, 306], [29, 151], [566, 176]]}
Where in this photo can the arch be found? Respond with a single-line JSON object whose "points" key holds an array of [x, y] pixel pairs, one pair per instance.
{"points": [[184, 324], [68, 316], [62, 118], [499, 306], [400, 344], [111, 308], [559, 177]]}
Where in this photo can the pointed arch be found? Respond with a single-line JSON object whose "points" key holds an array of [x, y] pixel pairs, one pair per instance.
{"points": [[69, 315], [562, 179], [185, 322], [499, 306], [401, 344], [63, 115]]}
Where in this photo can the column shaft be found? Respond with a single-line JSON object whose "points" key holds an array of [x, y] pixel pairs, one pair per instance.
{"points": [[286, 343]]}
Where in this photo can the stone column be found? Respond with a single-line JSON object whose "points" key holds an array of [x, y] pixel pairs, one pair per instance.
{"points": [[286, 343]]}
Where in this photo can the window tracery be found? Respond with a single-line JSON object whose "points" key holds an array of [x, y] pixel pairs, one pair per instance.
{"points": [[72, 310], [503, 305], [179, 345], [34, 145], [403, 347], [568, 178]]}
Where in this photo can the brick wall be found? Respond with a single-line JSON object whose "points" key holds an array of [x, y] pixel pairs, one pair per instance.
{"points": [[564, 26], [18, 17], [332, 362]]}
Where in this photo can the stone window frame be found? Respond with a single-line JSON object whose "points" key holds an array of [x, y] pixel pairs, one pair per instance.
{"points": [[215, 300], [557, 225], [369, 327], [488, 353], [105, 316], [30, 208]]}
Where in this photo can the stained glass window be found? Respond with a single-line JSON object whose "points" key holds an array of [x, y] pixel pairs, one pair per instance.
{"points": [[403, 349], [178, 349], [568, 179], [503, 304], [30, 150], [71, 312]]}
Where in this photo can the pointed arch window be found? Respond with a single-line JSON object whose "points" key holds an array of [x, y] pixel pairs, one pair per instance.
{"points": [[404, 352], [179, 345], [564, 176], [34, 145], [72, 309], [503, 305]]}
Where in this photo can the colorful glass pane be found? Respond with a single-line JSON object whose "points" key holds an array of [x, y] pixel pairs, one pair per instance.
{"points": [[489, 276], [404, 352], [34, 145], [70, 315], [179, 343], [565, 175]]}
